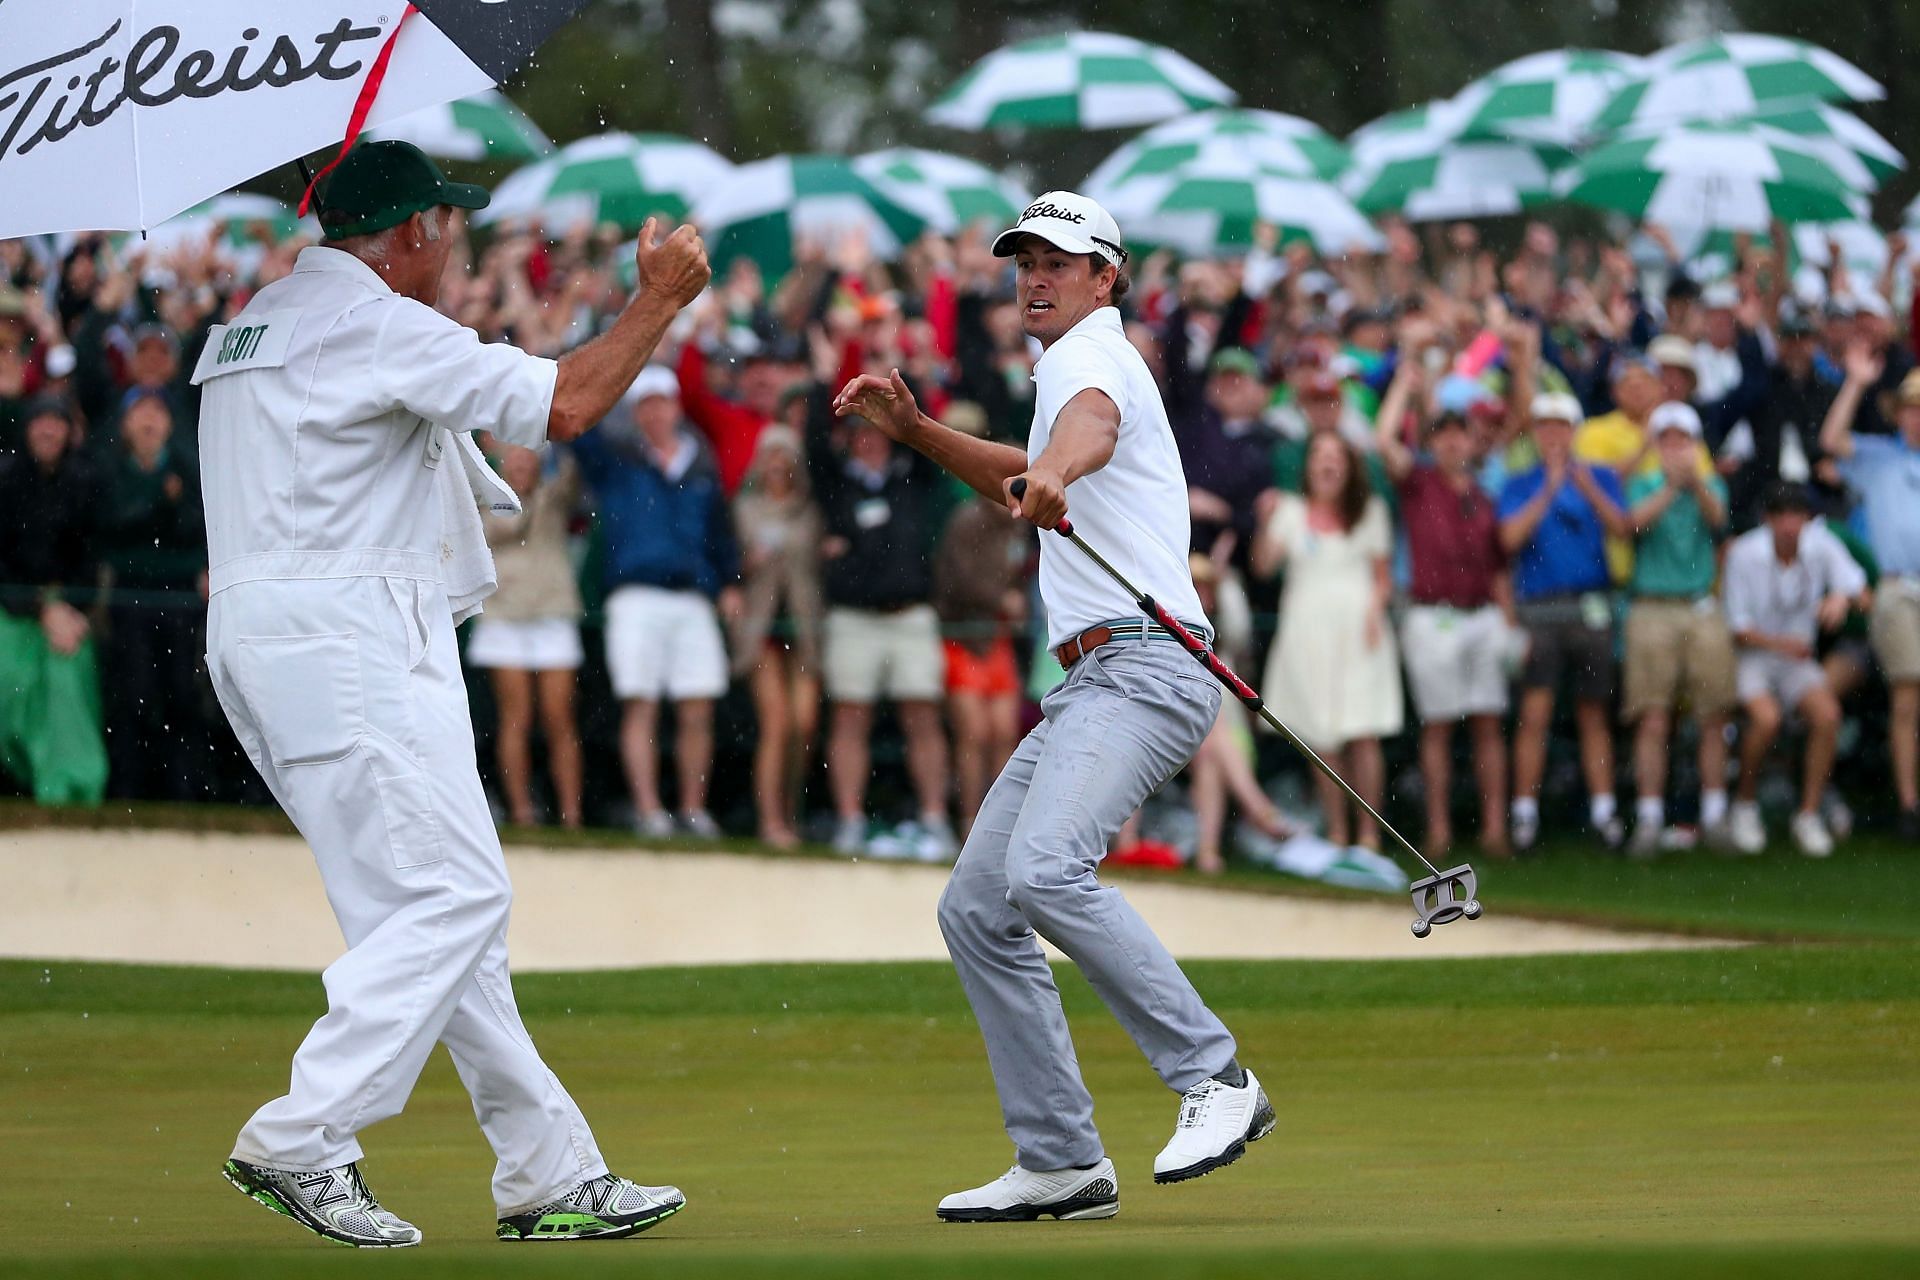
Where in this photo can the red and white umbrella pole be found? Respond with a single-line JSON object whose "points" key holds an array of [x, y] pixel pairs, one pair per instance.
{"points": [[1441, 897]]}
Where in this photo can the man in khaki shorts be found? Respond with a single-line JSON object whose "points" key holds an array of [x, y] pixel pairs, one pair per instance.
{"points": [[1678, 645], [1885, 472], [1786, 582]]}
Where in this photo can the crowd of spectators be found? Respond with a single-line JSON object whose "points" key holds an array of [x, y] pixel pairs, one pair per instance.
{"points": [[1571, 496]]}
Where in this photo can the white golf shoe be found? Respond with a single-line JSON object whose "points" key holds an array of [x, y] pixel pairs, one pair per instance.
{"points": [[1216, 1123], [1022, 1195], [332, 1203]]}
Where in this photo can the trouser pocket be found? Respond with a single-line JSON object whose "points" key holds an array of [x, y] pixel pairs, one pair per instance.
{"points": [[413, 830], [304, 693]]}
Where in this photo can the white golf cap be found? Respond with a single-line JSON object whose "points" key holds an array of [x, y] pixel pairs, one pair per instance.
{"points": [[1066, 220], [1674, 415], [1721, 295], [654, 380], [1673, 351], [1557, 406]]}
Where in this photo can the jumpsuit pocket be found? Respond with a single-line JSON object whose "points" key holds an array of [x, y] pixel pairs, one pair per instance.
{"points": [[305, 695], [413, 831]]}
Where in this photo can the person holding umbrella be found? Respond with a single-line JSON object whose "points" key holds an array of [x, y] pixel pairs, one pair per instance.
{"points": [[334, 412], [1133, 709]]}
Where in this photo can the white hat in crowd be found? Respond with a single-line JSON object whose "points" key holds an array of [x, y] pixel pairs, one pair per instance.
{"points": [[1066, 220], [1721, 295], [1557, 406], [654, 380], [1672, 350], [1674, 415]]}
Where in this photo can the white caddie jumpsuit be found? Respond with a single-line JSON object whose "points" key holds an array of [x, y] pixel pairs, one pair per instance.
{"points": [[331, 646]]}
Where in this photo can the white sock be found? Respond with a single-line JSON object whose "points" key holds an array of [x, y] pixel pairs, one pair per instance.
{"points": [[1713, 807], [1602, 808], [1526, 809], [934, 821], [1651, 811]]}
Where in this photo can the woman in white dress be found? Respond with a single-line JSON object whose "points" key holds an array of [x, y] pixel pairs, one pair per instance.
{"points": [[1333, 676]]}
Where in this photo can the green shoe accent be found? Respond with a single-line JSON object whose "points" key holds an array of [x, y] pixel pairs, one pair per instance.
{"points": [[569, 1225]]}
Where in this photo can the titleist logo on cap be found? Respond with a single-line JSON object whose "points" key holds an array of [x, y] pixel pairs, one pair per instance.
{"points": [[1045, 209]]}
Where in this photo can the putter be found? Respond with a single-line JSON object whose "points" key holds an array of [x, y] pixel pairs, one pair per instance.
{"points": [[1439, 898]]}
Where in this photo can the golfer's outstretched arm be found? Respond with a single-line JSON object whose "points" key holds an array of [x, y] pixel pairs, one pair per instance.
{"points": [[982, 465], [593, 375]]}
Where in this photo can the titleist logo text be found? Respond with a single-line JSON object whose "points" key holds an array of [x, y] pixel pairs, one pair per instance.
{"points": [[33, 109], [1045, 209]]}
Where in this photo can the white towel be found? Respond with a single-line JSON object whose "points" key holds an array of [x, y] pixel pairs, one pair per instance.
{"points": [[466, 563]]}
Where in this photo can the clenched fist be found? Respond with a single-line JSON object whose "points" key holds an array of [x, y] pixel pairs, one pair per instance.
{"points": [[676, 267]]}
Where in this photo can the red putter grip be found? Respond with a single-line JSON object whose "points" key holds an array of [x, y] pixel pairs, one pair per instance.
{"points": [[1019, 490]]}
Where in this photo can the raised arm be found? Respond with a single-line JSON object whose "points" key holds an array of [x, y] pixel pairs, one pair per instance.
{"points": [[982, 465], [1863, 371], [593, 375], [1390, 421]]}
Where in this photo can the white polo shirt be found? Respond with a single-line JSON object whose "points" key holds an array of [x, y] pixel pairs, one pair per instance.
{"points": [[318, 444], [1784, 599], [1133, 511]]}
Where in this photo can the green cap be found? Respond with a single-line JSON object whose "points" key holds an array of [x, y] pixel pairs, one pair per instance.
{"points": [[1234, 360], [382, 184]]}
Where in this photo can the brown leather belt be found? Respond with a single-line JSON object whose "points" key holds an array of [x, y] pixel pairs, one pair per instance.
{"points": [[1075, 649], [1093, 637]]}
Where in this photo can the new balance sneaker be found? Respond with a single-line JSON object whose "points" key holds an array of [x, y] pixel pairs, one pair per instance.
{"points": [[334, 1203], [603, 1208], [1810, 834], [1021, 1195], [1216, 1123]]}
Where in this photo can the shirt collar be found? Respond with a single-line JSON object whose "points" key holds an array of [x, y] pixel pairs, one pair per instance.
{"points": [[1101, 320], [320, 257]]}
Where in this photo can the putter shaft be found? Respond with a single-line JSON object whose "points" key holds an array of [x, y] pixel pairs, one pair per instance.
{"points": [[1228, 677]]}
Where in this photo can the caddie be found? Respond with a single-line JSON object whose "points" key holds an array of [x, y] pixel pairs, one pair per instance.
{"points": [[340, 527], [1133, 709]]}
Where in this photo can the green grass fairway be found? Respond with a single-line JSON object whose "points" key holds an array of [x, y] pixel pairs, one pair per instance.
{"points": [[1747, 1112]]}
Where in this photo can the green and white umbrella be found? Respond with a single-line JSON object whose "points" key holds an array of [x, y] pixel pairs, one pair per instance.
{"points": [[1727, 76], [1551, 96], [484, 127], [1395, 134], [760, 208], [1465, 177], [1275, 142], [1849, 143], [1419, 165], [1081, 80], [946, 192], [623, 178], [1726, 177], [1212, 203], [1863, 249], [230, 222]]}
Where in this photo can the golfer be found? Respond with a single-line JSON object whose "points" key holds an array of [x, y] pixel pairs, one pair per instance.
{"points": [[1133, 709], [327, 411]]}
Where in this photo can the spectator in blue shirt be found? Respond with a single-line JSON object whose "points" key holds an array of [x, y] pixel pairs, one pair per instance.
{"points": [[1885, 472], [1554, 523], [670, 558]]}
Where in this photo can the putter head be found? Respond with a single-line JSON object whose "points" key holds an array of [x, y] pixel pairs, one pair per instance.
{"points": [[1444, 898]]}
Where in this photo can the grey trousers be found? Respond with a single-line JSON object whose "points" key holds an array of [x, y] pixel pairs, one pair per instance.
{"points": [[1129, 715]]}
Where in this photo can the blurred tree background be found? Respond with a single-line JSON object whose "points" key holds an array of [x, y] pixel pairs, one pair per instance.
{"points": [[757, 77]]}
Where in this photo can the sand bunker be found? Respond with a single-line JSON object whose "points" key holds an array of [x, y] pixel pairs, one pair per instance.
{"points": [[255, 901]]}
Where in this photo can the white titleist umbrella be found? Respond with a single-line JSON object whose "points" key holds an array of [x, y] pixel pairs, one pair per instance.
{"points": [[118, 114]]}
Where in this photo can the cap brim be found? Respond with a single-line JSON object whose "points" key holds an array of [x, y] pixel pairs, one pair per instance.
{"points": [[464, 195], [1007, 243]]}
